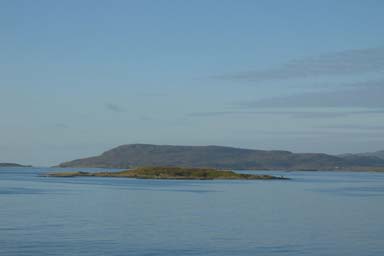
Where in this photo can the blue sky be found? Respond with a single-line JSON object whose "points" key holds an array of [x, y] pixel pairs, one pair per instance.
{"points": [[80, 77]]}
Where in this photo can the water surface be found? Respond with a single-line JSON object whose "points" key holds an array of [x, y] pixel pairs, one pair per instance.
{"points": [[315, 213]]}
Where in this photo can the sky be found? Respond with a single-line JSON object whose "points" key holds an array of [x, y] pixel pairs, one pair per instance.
{"points": [[80, 77]]}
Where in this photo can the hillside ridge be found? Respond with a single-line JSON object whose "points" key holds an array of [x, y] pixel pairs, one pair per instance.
{"points": [[221, 157]]}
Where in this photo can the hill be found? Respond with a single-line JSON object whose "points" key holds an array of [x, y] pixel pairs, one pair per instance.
{"points": [[373, 155], [13, 165], [138, 155]]}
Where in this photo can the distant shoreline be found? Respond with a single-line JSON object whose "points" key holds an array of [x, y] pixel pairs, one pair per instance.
{"points": [[13, 165], [227, 158], [352, 169]]}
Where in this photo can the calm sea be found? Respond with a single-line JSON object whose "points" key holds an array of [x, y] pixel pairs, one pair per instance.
{"points": [[315, 213]]}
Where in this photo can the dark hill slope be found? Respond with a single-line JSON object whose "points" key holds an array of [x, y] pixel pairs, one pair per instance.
{"points": [[136, 155], [13, 165]]}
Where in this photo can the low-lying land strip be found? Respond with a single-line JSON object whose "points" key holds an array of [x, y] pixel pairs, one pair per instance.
{"points": [[169, 173]]}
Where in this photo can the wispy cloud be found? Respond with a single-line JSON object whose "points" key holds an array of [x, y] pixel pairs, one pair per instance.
{"points": [[355, 127], [356, 61], [61, 125], [372, 97], [114, 108], [358, 98], [292, 113], [319, 133], [298, 114]]}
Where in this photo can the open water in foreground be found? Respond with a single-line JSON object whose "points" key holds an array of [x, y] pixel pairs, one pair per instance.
{"points": [[315, 213]]}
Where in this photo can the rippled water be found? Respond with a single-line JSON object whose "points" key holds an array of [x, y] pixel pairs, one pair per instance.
{"points": [[315, 213]]}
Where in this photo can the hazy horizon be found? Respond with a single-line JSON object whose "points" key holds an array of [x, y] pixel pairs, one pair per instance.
{"points": [[78, 78]]}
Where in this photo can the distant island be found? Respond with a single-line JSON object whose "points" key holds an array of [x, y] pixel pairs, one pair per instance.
{"points": [[174, 173], [227, 158], [13, 165]]}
